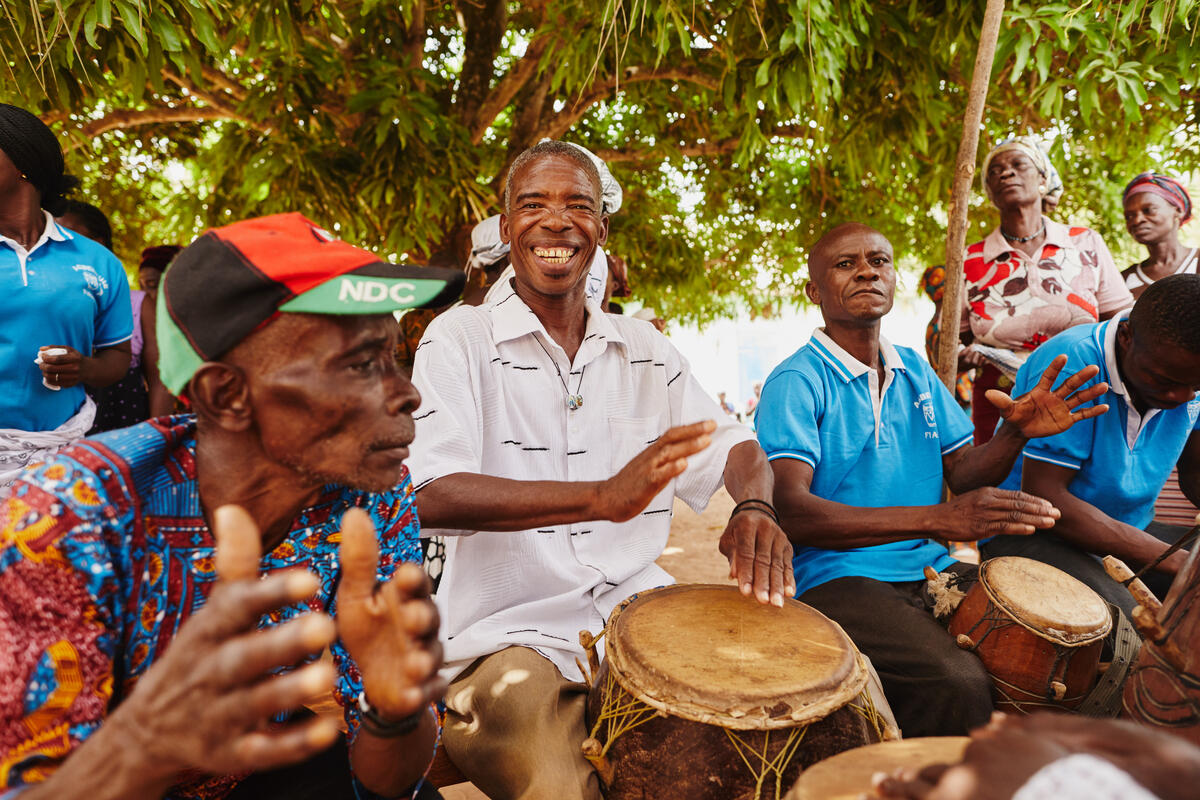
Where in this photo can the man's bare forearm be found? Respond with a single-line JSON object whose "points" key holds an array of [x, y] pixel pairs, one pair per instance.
{"points": [[390, 766], [748, 474], [1091, 530], [987, 465], [468, 501], [811, 521]]}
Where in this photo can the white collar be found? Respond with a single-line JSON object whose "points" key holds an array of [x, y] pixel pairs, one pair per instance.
{"points": [[512, 319], [847, 366], [50, 231], [1109, 347]]}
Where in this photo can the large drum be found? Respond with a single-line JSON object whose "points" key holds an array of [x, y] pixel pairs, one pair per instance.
{"points": [[1038, 631], [1163, 688], [850, 775], [709, 695]]}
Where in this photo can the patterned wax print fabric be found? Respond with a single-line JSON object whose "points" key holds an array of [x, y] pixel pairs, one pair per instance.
{"points": [[1017, 302], [104, 553]]}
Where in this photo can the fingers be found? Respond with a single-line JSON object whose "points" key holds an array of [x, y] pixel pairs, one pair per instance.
{"points": [[235, 608], [239, 544], [251, 656], [683, 432], [50, 355], [1078, 379], [1051, 374], [1003, 403], [760, 558], [248, 707], [1089, 412], [358, 555], [288, 745]]}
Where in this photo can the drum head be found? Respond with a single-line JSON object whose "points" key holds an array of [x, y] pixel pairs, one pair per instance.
{"points": [[709, 654], [1045, 599], [847, 776]]}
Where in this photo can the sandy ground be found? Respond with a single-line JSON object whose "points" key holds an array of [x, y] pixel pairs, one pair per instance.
{"points": [[691, 556]]}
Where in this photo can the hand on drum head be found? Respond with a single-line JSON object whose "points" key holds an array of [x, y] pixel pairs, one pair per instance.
{"points": [[1045, 411], [626, 494], [986, 512], [206, 704], [760, 557]]}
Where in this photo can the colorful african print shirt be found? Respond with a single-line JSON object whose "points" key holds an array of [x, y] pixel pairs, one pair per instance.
{"points": [[104, 553], [1016, 302]]}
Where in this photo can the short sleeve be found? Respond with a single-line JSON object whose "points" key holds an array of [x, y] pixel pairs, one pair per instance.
{"points": [[706, 469], [59, 627], [1072, 447], [1111, 292], [955, 428], [788, 419], [448, 422], [114, 314]]}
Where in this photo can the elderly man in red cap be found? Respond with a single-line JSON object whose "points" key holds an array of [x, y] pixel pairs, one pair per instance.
{"points": [[166, 589]]}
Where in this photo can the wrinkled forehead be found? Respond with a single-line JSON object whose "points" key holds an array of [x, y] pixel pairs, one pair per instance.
{"points": [[846, 240], [555, 174]]}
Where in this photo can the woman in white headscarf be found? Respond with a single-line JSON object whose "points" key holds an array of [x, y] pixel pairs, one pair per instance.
{"points": [[1031, 278]]}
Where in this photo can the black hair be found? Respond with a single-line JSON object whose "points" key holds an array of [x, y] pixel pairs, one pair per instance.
{"points": [[551, 147], [34, 150], [1169, 312], [95, 220]]}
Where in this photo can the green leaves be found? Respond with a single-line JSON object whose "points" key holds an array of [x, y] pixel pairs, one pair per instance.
{"points": [[739, 129]]}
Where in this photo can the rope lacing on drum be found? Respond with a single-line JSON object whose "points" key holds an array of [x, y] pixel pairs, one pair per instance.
{"points": [[769, 766], [619, 713], [867, 710], [997, 620]]}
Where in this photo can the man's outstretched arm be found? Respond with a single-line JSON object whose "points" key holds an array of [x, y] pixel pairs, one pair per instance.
{"points": [[1042, 411], [474, 502], [812, 521], [1089, 528]]}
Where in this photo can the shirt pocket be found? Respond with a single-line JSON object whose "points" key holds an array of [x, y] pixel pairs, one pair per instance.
{"points": [[630, 436]]}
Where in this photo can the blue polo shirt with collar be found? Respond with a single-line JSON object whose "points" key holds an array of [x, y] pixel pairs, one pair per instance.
{"points": [[1122, 458], [65, 290], [869, 446]]}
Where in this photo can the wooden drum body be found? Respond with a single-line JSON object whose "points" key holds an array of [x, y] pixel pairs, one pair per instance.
{"points": [[1038, 631], [1163, 688], [709, 695], [849, 775]]}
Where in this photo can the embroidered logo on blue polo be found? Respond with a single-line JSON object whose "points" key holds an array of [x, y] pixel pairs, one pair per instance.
{"points": [[97, 285], [1193, 411]]}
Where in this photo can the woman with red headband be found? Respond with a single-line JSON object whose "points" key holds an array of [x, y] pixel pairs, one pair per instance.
{"points": [[1155, 208]]}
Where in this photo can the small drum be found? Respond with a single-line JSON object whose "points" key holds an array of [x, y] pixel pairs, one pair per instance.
{"points": [[1163, 688], [709, 695], [1038, 631], [850, 775]]}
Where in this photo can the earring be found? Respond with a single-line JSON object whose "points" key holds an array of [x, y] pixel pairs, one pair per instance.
{"points": [[24, 177]]}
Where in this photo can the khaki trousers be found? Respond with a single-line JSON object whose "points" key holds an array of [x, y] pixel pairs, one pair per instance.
{"points": [[513, 728]]}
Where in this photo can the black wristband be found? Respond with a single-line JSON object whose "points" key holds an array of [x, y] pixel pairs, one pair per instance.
{"points": [[376, 725], [756, 505]]}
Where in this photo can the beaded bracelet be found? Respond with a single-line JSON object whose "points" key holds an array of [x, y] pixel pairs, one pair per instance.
{"points": [[376, 725], [756, 505]]}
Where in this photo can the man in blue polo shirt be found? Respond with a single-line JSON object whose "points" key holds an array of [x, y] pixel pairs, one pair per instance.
{"points": [[861, 435], [1105, 473]]}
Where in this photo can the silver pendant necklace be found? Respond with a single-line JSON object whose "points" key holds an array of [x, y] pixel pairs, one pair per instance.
{"points": [[574, 401]]}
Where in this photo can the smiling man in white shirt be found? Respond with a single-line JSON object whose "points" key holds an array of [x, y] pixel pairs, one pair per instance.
{"points": [[551, 442]]}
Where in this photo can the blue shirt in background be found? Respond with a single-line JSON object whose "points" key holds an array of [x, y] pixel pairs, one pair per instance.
{"points": [[1123, 458], [818, 407], [66, 290]]}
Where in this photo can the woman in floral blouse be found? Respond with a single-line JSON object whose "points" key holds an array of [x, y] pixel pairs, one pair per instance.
{"points": [[1031, 278]]}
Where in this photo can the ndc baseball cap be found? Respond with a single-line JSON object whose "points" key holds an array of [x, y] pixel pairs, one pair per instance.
{"points": [[231, 280]]}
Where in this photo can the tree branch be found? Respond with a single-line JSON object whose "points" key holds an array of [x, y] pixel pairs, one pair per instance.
{"points": [[120, 120], [484, 23], [577, 108], [695, 149], [508, 87]]}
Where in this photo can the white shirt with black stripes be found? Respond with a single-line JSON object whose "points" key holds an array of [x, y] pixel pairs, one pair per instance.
{"points": [[493, 403]]}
